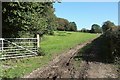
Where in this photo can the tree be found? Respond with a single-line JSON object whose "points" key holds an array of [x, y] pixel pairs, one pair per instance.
{"points": [[26, 16], [72, 26], [63, 24], [96, 28], [108, 25], [85, 30]]}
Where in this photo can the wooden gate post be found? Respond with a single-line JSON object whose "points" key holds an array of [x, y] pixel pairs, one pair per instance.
{"points": [[38, 40]]}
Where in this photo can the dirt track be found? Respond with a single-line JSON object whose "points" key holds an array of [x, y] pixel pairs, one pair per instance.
{"points": [[100, 70], [63, 67]]}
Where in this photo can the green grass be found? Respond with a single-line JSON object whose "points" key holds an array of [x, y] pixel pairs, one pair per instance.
{"points": [[51, 45], [62, 41]]}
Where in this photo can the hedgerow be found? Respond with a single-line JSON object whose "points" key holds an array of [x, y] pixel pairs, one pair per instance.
{"points": [[113, 41]]}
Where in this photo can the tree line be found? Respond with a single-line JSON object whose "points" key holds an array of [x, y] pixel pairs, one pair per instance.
{"points": [[32, 17], [111, 37], [65, 25], [95, 28]]}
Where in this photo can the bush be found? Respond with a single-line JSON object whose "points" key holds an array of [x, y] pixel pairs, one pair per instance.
{"points": [[40, 52], [51, 32], [113, 41]]}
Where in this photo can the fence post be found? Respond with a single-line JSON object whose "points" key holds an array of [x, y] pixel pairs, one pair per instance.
{"points": [[38, 40], [2, 44]]}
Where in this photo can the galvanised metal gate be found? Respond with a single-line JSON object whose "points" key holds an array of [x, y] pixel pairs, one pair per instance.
{"points": [[18, 47]]}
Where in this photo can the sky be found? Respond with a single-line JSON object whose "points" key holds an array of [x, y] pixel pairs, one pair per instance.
{"points": [[90, 0], [84, 14]]}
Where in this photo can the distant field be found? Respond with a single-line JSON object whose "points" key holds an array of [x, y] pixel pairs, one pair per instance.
{"points": [[50, 45], [62, 41]]}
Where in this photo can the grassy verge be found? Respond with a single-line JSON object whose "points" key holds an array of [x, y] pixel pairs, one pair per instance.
{"points": [[51, 45]]}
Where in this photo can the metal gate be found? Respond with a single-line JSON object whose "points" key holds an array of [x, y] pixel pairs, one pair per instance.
{"points": [[18, 47]]}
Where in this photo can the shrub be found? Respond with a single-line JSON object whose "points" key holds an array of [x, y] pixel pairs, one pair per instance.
{"points": [[113, 41], [40, 52], [51, 32]]}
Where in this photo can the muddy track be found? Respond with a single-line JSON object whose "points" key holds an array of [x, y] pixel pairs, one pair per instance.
{"points": [[94, 65], [60, 67], [97, 70]]}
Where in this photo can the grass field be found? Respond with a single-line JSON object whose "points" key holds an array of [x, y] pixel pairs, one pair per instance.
{"points": [[50, 45]]}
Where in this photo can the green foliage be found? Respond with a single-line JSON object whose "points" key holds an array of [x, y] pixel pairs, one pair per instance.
{"points": [[32, 17], [65, 25], [51, 32], [62, 24], [40, 52], [112, 37], [85, 30], [26, 16], [72, 26], [108, 25], [96, 29]]}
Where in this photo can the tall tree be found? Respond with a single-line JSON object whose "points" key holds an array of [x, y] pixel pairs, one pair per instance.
{"points": [[72, 26], [108, 25], [62, 24], [95, 28]]}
